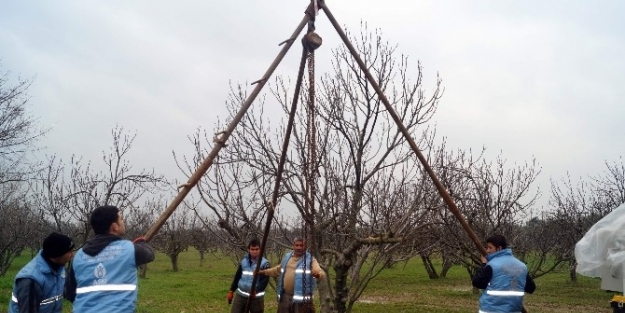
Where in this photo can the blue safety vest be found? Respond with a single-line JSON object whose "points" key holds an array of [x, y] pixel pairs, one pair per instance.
{"points": [[507, 286], [51, 283], [106, 282], [247, 276], [301, 292]]}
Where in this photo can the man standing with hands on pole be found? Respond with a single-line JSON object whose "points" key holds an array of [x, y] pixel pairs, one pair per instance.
{"points": [[298, 274], [243, 279], [103, 275], [504, 278]]}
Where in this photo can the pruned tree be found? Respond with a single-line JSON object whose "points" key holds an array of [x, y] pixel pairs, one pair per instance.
{"points": [[370, 204], [201, 239], [494, 197], [49, 196], [20, 227], [117, 184], [575, 208], [18, 129], [66, 203], [18, 136], [541, 245], [233, 197], [611, 185], [175, 236]]}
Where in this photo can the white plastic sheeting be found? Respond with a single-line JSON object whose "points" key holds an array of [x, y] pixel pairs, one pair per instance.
{"points": [[601, 252]]}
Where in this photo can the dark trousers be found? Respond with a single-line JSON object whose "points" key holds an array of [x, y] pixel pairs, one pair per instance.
{"points": [[257, 305], [286, 305]]}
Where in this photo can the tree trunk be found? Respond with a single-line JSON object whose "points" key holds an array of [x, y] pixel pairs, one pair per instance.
{"points": [[143, 270], [324, 295], [447, 264], [201, 258], [341, 292], [174, 261], [429, 267], [572, 272]]}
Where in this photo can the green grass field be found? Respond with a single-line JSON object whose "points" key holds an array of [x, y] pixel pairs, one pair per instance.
{"points": [[401, 289]]}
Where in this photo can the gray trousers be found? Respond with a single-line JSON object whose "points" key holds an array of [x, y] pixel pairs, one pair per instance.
{"points": [[286, 305], [257, 305]]}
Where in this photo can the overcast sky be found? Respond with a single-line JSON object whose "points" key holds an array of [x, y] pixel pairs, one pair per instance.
{"points": [[540, 79]]}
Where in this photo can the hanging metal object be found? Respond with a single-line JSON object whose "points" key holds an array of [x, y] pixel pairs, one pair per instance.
{"points": [[312, 41]]}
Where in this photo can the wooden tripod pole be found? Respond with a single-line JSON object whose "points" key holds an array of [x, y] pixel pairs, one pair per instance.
{"points": [[221, 141], [441, 189]]}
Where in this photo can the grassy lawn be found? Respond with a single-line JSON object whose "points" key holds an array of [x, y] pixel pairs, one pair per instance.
{"points": [[401, 289]]}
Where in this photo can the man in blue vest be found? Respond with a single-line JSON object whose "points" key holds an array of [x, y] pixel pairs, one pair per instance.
{"points": [[38, 286], [243, 279], [504, 278], [103, 276], [298, 274]]}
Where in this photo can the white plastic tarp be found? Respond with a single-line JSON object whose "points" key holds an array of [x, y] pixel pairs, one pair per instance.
{"points": [[601, 252]]}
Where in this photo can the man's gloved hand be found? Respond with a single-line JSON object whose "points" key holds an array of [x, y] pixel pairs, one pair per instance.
{"points": [[316, 275], [139, 239], [229, 297]]}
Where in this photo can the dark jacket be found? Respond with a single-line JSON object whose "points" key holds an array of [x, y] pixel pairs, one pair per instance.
{"points": [[262, 281], [505, 281]]}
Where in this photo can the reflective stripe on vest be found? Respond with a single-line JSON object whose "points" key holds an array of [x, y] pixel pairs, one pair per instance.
{"points": [[52, 299], [43, 302], [505, 293], [298, 271], [106, 288], [247, 294], [248, 273], [302, 298]]}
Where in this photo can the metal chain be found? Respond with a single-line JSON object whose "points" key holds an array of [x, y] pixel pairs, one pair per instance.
{"points": [[311, 155]]}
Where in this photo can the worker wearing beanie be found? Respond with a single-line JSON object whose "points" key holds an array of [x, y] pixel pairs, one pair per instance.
{"points": [[38, 286]]}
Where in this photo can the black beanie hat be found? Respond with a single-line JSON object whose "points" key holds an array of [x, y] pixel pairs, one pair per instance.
{"points": [[56, 245]]}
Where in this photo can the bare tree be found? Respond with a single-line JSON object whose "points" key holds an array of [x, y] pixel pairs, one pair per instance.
{"points": [[69, 202], [175, 236], [541, 245], [20, 228], [201, 238], [18, 129], [233, 195], [370, 202], [18, 135], [49, 196], [495, 198], [577, 207], [611, 184]]}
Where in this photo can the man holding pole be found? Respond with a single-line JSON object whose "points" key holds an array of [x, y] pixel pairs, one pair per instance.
{"points": [[298, 274], [243, 279], [504, 278], [103, 275]]}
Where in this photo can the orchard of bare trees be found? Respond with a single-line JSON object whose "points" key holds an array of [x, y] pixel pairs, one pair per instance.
{"points": [[375, 207]]}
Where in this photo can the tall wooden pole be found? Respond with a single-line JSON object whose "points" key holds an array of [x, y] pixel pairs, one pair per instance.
{"points": [[221, 141]]}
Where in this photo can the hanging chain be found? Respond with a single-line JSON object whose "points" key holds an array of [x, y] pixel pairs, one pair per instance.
{"points": [[311, 42], [312, 138]]}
